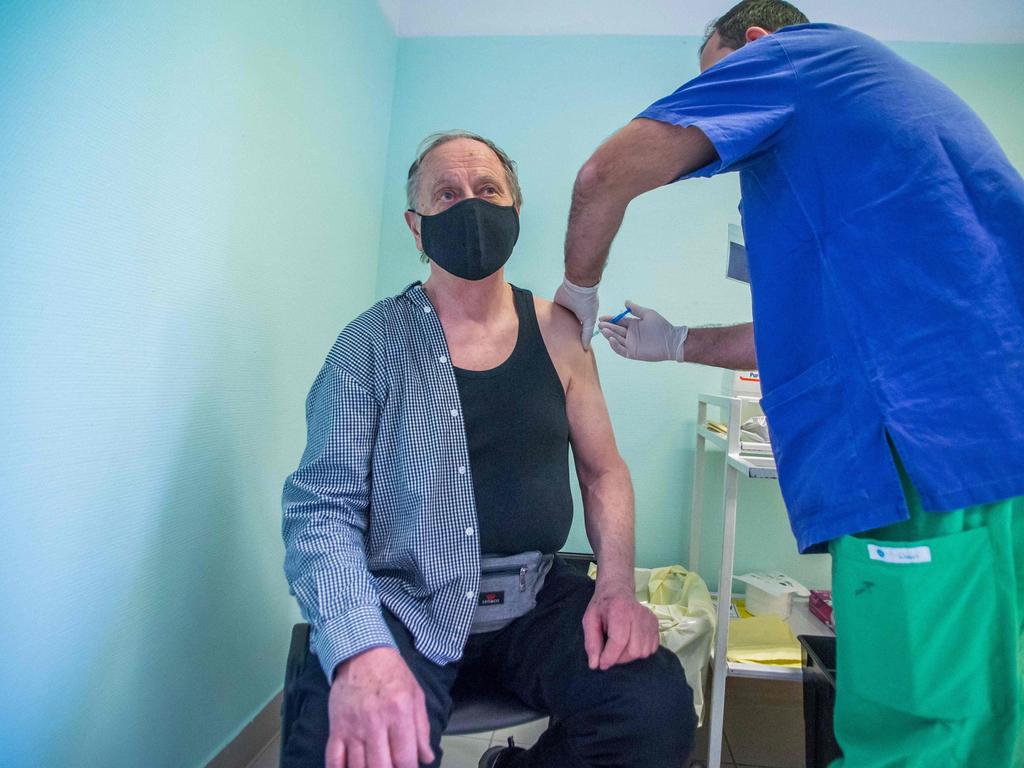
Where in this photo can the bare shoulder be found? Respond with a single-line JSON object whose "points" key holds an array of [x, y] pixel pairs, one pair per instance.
{"points": [[561, 332], [560, 328]]}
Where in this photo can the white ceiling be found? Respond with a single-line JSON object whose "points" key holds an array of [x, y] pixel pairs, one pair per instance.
{"points": [[974, 21]]}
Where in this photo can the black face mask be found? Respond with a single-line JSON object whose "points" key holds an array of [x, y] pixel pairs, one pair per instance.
{"points": [[473, 239]]}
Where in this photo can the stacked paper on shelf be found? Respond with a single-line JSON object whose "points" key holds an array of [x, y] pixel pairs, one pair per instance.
{"points": [[754, 437], [737, 609], [763, 640], [717, 427]]}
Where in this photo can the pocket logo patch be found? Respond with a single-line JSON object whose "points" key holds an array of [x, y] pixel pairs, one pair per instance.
{"points": [[492, 598], [900, 555]]}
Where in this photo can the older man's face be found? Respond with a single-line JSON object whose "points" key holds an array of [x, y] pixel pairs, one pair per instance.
{"points": [[457, 170]]}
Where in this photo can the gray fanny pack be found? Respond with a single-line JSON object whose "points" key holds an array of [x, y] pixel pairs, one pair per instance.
{"points": [[508, 588]]}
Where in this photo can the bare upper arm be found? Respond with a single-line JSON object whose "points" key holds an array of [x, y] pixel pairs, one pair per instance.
{"points": [[590, 427], [561, 332], [646, 154]]}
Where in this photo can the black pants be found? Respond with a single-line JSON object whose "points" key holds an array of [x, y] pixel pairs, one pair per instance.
{"points": [[636, 715]]}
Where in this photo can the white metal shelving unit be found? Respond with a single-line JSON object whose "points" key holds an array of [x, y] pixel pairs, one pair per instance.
{"points": [[756, 467]]}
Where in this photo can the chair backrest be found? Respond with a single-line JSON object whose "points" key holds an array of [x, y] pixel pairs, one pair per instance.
{"points": [[475, 709]]}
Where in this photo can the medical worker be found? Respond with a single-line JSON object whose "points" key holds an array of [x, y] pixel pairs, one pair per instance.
{"points": [[885, 233]]}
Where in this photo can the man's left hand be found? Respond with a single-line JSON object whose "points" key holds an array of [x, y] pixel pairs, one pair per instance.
{"points": [[617, 629]]}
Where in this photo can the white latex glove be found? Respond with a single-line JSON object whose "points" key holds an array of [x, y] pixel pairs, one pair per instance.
{"points": [[583, 303], [648, 336]]}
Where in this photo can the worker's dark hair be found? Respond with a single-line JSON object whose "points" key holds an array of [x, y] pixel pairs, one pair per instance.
{"points": [[732, 26]]}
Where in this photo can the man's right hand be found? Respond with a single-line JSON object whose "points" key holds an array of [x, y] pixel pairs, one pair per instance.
{"points": [[378, 714]]}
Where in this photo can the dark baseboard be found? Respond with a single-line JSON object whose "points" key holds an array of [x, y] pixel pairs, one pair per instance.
{"points": [[247, 745]]}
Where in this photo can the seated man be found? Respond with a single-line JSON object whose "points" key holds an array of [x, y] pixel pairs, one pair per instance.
{"points": [[439, 431]]}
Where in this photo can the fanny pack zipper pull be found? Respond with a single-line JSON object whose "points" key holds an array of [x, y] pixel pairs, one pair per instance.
{"points": [[522, 579]]}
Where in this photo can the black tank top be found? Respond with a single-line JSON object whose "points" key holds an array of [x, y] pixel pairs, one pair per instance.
{"points": [[518, 437]]}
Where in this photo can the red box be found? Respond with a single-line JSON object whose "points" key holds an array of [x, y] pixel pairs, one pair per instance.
{"points": [[821, 606]]}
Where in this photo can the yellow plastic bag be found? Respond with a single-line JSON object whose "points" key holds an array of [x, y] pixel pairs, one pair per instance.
{"points": [[686, 619]]}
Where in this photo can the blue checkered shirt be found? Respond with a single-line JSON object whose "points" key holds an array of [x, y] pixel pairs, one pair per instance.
{"points": [[380, 511]]}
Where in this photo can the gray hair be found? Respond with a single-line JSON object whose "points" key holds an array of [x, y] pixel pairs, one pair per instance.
{"points": [[434, 140]]}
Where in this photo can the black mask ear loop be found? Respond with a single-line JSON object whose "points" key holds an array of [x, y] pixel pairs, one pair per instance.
{"points": [[423, 254]]}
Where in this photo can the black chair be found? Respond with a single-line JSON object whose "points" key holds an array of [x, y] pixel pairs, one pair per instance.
{"points": [[476, 709]]}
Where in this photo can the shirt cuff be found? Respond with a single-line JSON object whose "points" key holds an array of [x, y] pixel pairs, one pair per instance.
{"points": [[346, 636]]}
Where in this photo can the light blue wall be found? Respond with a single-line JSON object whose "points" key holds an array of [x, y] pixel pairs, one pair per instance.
{"points": [[549, 102], [190, 203], [190, 208]]}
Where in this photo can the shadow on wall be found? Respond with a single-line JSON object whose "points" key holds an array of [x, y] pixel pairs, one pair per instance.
{"points": [[177, 658]]}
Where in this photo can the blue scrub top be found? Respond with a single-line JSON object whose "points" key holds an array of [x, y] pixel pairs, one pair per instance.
{"points": [[885, 232]]}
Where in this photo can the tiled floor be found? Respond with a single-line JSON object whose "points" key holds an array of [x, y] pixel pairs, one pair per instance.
{"points": [[763, 729], [459, 751], [764, 726], [465, 751]]}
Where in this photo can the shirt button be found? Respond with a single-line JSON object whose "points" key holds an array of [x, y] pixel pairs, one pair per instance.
{"points": [[462, 470], [469, 531], [455, 412], [469, 595], [426, 310], [442, 359]]}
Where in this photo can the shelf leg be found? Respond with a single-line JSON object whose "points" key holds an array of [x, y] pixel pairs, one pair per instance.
{"points": [[721, 667], [697, 499]]}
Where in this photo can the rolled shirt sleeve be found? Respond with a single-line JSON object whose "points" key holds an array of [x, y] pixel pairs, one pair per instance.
{"points": [[326, 513], [742, 104]]}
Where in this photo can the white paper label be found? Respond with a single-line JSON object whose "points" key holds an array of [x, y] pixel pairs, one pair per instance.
{"points": [[900, 554]]}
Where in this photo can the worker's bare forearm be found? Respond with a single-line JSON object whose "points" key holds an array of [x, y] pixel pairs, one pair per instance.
{"points": [[726, 347], [643, 155], [608, 508]]}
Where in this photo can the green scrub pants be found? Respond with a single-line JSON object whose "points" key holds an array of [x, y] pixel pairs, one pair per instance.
{"points": [[930, 639]]}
